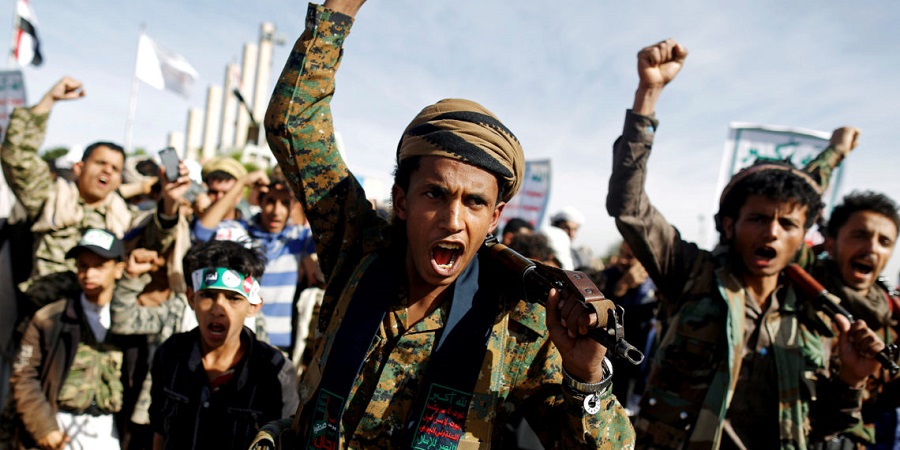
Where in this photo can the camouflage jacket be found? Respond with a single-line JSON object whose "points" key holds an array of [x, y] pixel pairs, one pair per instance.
{"points": [[42, 365], [521, 369], [56, 208], [875, 308], [695, 371]]}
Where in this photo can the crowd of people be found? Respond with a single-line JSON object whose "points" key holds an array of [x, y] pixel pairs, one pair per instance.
{"points": [[281, 309]]}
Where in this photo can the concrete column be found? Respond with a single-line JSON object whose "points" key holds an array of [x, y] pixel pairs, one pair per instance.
{"points": [[194, 134], [176, 141], [263, 70], [248, 80], [229, 106], [213, 116]]}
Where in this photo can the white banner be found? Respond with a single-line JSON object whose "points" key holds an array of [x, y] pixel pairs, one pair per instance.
{"points": [[748, 143], [530, 203]]}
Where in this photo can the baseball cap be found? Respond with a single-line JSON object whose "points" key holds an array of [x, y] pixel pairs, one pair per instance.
{"points": [[101, 242]]}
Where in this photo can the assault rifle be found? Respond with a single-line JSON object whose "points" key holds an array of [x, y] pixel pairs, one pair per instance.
{"points": [[830, 304], [539, 278]]}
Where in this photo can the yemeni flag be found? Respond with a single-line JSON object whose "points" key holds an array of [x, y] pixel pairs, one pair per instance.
{"points": [[26, 48]]}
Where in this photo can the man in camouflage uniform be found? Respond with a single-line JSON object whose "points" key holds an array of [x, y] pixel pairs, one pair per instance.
{"points": [[67, 374], [457, 166], [860, 238], [60, 210], [743, 363]]}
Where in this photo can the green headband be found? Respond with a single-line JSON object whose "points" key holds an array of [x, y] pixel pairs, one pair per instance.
{"points": [[227, 280]]}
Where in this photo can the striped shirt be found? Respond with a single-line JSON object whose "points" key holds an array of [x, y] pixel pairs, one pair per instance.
{"points": [[278, 285]]}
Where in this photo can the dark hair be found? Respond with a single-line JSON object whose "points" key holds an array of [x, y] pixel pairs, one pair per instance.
{"points": [[515, 225], [534, 246], [276, 184], [227, 254], [404, 170], [218, 175], [90, 149], [776, 185], [861, 201], [147, 168]]}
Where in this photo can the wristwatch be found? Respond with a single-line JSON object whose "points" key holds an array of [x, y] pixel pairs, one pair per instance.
{"points": [[589, 391]]}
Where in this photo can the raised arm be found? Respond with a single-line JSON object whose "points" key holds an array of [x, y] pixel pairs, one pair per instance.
{"points": [[843, 141], [300, 132], [127, 316], [655, 242], [26, 173], [211, 217], [657, 66]]}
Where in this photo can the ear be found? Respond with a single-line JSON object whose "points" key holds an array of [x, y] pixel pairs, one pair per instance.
{"points": [[828, 245], [255, 308], [120, 269], [189, 293], [495, 218], [728, 227], [398, 198], [77, 168]]}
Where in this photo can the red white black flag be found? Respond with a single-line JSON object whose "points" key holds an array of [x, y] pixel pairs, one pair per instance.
{"points": [[26, 48]]}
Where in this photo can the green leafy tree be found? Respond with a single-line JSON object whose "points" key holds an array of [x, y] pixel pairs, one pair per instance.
{"points": [[54, 153]]}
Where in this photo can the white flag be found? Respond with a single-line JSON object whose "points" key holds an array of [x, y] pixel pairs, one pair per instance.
{"points": [[26, 47], [163, 69]]}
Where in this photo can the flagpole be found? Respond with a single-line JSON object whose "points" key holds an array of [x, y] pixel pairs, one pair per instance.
{"points": [[11, 62], [132, 103]]}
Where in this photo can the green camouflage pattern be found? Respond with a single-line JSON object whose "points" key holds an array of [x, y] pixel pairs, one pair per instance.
{"points": [[30, 179], [521, 369], [95, 377], [882, 389], [696, 367]]}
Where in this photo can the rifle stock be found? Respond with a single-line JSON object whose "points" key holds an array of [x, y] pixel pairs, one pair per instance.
{"points": [[830, 304], [538, 279]]}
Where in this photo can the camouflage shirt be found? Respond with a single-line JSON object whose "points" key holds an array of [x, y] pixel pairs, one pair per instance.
{"points": [[697, 366], [521, 369], [874, 307], [57, 210]]}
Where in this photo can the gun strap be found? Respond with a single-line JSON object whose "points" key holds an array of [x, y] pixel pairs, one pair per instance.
{"points": [[365, 313]]}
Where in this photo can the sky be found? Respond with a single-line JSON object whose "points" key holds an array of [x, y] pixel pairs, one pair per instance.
{"points": [[559, 75]]}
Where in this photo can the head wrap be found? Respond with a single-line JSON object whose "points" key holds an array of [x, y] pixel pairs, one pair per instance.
{"points": [[466, 131], [756, 168], [225, 164]]}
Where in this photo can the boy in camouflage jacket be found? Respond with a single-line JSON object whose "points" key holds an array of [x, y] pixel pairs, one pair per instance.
{"points": [[67, 375]]}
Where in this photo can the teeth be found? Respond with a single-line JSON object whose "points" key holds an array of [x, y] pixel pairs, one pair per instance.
{"points": [[454, 251]]}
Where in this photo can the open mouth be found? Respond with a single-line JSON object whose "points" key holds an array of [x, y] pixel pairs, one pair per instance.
{"points": [[445, 255], [862, 267], [765, 253], [217, 329]]}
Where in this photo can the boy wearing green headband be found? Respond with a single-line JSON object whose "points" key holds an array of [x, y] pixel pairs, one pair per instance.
{"points": [[214, 386]]}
